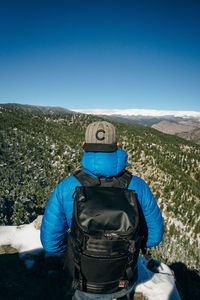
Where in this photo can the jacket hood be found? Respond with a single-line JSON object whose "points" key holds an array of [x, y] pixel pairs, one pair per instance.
{"points": [[104, 163]]}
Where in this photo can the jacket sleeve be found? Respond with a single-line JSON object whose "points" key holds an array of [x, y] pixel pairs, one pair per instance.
{"points": [[54, 226], [150, 210]]}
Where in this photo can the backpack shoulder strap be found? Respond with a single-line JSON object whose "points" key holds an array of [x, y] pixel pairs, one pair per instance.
{"points": [[124, 179], [86, 179]]}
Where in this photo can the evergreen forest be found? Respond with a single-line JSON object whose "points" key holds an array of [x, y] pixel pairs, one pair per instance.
{"points": [[38, 150]]}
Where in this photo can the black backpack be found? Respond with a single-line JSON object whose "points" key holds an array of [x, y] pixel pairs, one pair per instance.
{"points": [[103, 243]]}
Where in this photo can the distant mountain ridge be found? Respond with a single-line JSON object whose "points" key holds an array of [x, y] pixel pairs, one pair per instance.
{"points": [[36, 108], [185, 124], [186, 129], [145, 113]]}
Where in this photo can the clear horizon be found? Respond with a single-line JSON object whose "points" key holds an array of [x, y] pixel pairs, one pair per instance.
{"points": [[108, 54]]}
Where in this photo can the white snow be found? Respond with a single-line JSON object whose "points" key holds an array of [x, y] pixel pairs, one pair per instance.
{"points": [[141, 112], [23, 238], [155, 286]]}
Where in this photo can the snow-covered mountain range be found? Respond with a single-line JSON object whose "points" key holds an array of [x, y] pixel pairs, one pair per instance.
{"points": [[141, 112], [185, 124]]}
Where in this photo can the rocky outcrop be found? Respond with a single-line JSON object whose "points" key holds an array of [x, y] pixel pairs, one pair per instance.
{"points": [[7, 249], [37, 222], [139, 296], [187, 130]]}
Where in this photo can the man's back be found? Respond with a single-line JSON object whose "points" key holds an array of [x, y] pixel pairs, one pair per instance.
{"points": [[58, 214]]}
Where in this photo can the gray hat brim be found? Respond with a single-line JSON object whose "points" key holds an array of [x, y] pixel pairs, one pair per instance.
{"points": [[94, 147]]}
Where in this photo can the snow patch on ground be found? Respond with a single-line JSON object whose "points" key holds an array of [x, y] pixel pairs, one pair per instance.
{"points": [[23, 238], [156, 286]]}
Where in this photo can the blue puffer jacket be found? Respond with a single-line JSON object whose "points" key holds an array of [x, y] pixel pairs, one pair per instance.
{"points": [[58, 213]]}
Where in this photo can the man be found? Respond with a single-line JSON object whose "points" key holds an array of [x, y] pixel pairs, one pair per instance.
{"points": [[103, 160]]}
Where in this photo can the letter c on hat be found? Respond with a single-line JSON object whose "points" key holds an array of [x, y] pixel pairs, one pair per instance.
{"points": [[97, 135]]}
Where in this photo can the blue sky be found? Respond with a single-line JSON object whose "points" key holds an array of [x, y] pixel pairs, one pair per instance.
{"points": [[101, 54]]}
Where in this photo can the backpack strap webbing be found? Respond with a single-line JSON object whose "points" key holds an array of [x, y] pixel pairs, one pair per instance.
{"points": [[86, 179], [122, 180]]}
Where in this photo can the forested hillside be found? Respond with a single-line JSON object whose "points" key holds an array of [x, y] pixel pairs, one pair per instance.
{"points": [[39, 150]]}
